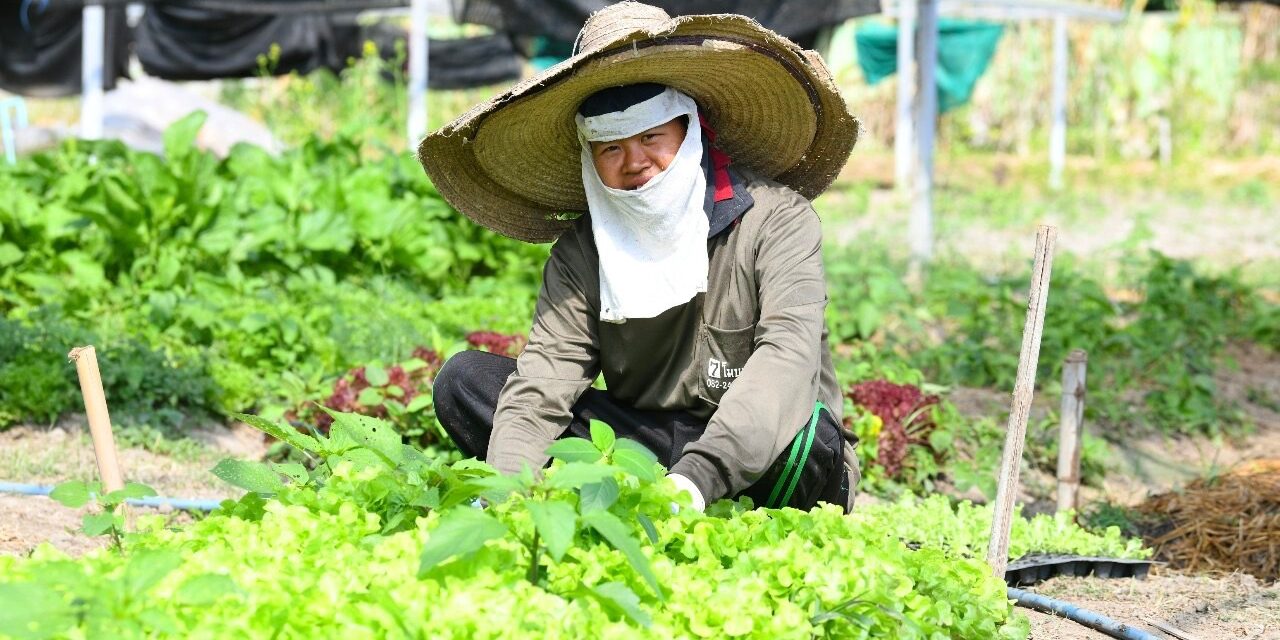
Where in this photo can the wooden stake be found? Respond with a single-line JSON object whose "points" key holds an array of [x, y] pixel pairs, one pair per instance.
{"points": [[1071, 429], [95, 407], [1023, 388]]}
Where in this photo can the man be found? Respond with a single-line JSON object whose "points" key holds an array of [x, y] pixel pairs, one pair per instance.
{"points": [[694, 283]]}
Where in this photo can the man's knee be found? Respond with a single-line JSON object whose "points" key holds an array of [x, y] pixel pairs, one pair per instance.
{"points": [[471, 374], [447, 377]]}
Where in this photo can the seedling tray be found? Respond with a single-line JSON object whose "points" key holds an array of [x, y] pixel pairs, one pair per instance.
{"points": [[1034, 568]]}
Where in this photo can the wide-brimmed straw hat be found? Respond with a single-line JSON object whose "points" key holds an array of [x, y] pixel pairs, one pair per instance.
{"points": [[512, 164]]}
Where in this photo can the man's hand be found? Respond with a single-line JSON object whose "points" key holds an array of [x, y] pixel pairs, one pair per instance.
{"points": [[698, 503]]}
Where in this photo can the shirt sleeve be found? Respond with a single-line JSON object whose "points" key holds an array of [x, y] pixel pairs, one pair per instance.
{"points": [[559, 362], [769, 402]]}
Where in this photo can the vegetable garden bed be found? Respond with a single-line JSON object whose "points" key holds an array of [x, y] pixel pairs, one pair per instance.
{"points": [[379, 541]]}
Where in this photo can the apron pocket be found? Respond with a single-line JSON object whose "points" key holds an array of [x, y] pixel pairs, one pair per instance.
{"points": [[722, 353]]}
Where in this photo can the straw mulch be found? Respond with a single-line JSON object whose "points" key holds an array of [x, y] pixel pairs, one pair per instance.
{"points": [[1227, 523]]}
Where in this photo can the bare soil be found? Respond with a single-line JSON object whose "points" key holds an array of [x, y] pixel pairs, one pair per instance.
{"points": [[47, 456], [1233, 607], [1249, 378]]}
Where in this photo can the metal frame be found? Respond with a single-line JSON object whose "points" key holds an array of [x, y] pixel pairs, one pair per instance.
{"points": [[917, 23], [93, 42]]}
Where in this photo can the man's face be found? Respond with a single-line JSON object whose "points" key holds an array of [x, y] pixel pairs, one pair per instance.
{"points": [[630, 162]]}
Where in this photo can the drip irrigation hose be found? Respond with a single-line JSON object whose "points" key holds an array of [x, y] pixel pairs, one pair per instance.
{"points": [[184, 504], [1091, 619]]}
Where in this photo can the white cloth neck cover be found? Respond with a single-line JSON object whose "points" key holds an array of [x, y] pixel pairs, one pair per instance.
{"points": [[652, 240]]}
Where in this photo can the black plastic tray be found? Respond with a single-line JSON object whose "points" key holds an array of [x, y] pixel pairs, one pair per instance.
{"points": [[1038, 567]]}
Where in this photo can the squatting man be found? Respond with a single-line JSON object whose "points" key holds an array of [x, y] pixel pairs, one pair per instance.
{"points": [[689, 273]]}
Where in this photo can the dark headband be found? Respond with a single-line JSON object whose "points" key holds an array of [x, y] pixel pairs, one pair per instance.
{"points": [[618, 98]]}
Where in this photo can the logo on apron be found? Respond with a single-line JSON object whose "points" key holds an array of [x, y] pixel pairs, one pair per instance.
{"points": [[720, 375]]}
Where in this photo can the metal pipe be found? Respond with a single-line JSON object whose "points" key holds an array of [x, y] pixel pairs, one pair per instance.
{"points": [[1091, 619], [1058, 134], [903, 155], [184, 504], [418, 39], [92, 55], [921, 221]]}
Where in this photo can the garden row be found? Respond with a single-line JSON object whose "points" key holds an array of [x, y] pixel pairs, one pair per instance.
{"points": [[377, 540]]}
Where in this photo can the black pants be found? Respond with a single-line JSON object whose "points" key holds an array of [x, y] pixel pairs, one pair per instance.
{"points": [[465, 394]]}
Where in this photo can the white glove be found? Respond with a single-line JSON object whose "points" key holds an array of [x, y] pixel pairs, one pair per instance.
{"points": [[698, 503]]}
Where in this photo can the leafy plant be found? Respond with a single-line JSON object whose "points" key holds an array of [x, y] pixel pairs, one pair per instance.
{"points": [[400, 393], [590, 546], [904, 419], [109, 521]]}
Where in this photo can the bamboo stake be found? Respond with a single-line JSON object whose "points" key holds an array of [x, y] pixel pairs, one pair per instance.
{"points": [[95, 407], [1023, 388], [1071, 429]]}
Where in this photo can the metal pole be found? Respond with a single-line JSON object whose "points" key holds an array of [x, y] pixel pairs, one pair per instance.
{"points": [[417, 72], [1058, 135], [92, 45], [926, 115], [903, 155]]}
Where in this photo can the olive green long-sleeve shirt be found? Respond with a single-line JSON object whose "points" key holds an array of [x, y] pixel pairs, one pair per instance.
{"points": [[750, 355]]}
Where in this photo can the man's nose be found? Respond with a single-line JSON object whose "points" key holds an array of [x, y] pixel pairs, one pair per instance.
{"points": [[635, 160]]}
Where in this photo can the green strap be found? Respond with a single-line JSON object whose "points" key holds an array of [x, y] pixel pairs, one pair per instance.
{"points": [[796, 445], [804, 457], [786, 470]]}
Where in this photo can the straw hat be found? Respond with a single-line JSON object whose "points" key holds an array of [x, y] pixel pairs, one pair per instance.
{"points": [[512, 164]]}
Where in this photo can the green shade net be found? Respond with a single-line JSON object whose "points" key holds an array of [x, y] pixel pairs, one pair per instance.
{"points": [[965, 49], [548, 52]]}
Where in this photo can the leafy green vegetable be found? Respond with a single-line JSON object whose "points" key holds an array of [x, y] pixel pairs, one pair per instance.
{"points": [[251, 476], [461, 533]]}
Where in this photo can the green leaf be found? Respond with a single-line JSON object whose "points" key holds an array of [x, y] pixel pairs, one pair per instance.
{"points": [[601, 435], [131, 491], [598, 496], [461, 532], [180, 137], [498, 487], [135, 490], [619, 537], [413, 364], [557, 522], [250, 476], [474, 466], [147, 568], [574, 450], [370, 397], [577, 474], [649, 530], [633, 446], [376, 375], [620, 598], [96, 524], [419, 402], [635, 464], [86, 272], [283, 433], [206, 589], [74, 494], [9, 254], [292, 470], [34, 611], [365, 431]]}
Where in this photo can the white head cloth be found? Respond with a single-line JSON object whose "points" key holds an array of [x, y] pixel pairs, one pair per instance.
{"points": [[652, 240]]}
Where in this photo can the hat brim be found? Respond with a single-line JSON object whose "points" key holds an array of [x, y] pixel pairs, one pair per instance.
{"points": [[512, 164]]}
